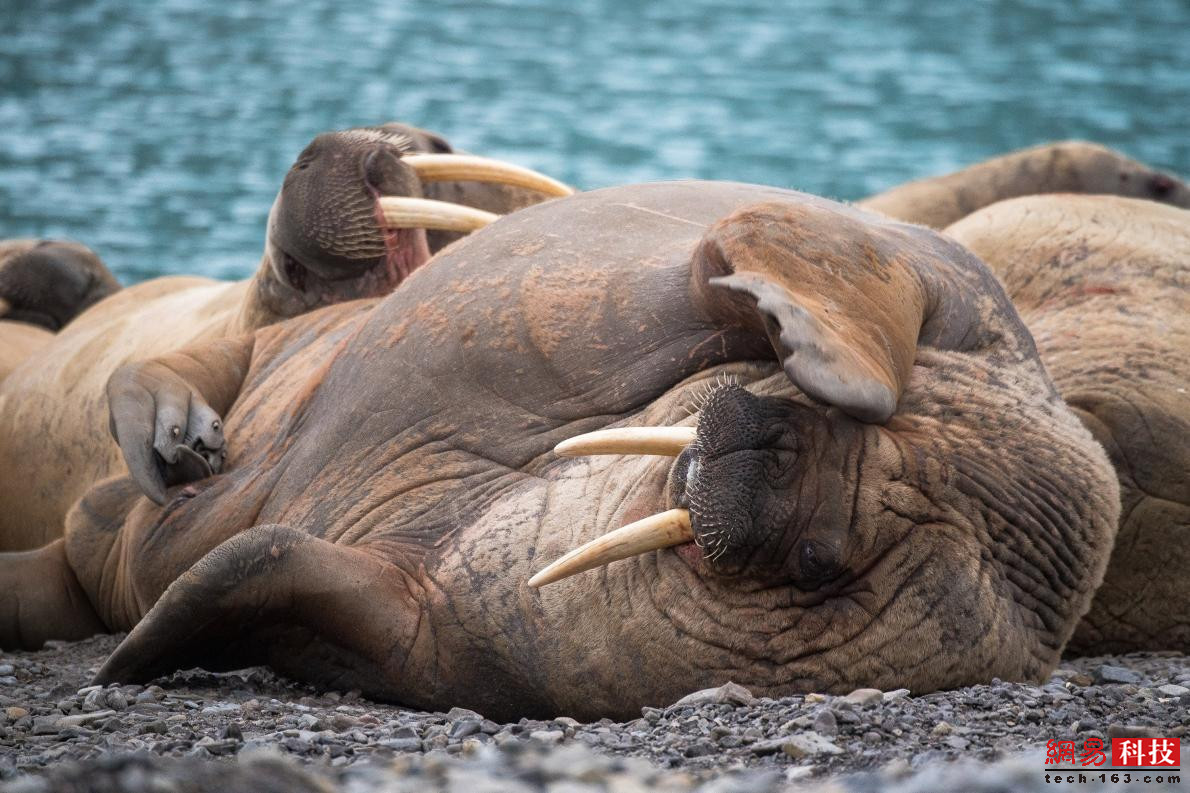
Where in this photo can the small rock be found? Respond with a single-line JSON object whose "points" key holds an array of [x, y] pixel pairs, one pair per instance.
{"points": [[813, 699], [464, 728], [799, 772], [547, 737], [462, 713], [1115, 674], [955, 742], [864, 696], [941, 729], [1132, 731], [1080, 680], [45, 725], [1173, 690], [893, 696], [156, 727], [808, 744], [13, 713], [825, 723], [401, 744], [94, 700], [80, 719], [726, 694]]}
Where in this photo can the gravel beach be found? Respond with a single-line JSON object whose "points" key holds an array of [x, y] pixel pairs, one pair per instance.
{"points": [[253, 730]]}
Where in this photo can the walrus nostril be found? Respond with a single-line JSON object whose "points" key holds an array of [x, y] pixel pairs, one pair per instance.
{"points": [[379, 164], [1161, 185]]}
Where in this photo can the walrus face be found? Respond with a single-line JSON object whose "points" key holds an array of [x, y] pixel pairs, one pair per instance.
{"points": [[327, 240], [49, 282]]}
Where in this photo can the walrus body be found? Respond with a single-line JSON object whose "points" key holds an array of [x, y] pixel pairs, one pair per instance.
{"points": [[883, 489], [325, 244], [1066, 167], [19, 341], [1104, 286]]}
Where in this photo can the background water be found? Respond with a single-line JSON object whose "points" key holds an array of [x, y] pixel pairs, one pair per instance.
{"points": [[158, 132]]}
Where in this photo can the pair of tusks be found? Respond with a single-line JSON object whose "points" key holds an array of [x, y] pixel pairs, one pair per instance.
{"points": [[401, 212], [663, 530]]}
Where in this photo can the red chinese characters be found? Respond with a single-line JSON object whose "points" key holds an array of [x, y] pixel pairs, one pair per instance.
{"points": [[1145, 752]]}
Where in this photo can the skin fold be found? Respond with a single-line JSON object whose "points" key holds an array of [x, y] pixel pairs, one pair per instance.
{"points": [[894, 491], [1103, 284], [324, 245]]}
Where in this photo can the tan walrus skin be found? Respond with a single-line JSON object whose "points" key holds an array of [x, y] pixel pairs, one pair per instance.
{"points": [[1103, 284], [1065, 167], [325, 244], [884, 488]]}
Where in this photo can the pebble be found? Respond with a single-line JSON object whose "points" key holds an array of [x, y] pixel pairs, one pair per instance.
{"points": [[1173, 690], [726, 694], [809, 744], [865, 696], [1114, 674]]}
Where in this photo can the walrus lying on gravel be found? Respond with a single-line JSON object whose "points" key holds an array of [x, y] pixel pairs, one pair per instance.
{"points": [[858, 473], [349, 221], [1104, 286]]}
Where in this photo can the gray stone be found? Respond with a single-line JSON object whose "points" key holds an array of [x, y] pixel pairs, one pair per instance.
{"points": [[825, 723], [84, 718], [865, 696], [893, 696], [727, 694], [809, 744], [1173, 690], [547, 737], [1115, 674]]}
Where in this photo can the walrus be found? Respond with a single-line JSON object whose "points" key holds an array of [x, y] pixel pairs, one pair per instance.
{"points": [[47, 283], [1104, 286], [350, 221], [816, 449], [1071, 166]]}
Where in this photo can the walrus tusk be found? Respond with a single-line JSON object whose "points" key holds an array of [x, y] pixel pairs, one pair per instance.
{"points": [[668, 441], [401, 212], [469, 168], [662, 530]]}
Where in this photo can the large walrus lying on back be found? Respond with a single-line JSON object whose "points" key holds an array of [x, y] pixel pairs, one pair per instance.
{"points": [[358, 211], [858, 473]]}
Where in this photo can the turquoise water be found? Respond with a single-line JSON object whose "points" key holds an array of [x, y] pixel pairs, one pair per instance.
{"points": [[158, 132]]}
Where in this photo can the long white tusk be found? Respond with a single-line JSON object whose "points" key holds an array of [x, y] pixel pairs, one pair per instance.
{"points": [[668, 441], [401, 212], [662, 530], [469, 168]]}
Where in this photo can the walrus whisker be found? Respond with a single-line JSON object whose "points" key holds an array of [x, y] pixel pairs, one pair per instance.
{"points": [[663, 530], [402, 212], [469, 168], [667, 441]]}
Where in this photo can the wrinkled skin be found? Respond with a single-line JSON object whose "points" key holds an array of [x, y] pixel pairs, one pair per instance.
{"points": [[1067, 167], [1103, 285], [391, 486], [324, 245], [47, 283]]}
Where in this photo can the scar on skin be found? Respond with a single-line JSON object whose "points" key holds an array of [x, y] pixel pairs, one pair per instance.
{"points": [[662, 214]]}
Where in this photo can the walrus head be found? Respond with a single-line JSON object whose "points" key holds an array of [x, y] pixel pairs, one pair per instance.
{"points": [[49, 282], [350, 219]]}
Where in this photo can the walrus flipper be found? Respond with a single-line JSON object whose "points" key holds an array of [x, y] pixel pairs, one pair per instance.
{"points": [[41, 599], [329, 614]]}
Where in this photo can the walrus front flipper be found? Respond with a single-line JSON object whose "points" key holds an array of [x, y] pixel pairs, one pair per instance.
{"points": [[847, 299], [41, 599], [328, 614]]}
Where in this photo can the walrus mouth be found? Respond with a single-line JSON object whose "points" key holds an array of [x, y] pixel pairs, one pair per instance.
{"points": [[405, 251], [662, 530]]}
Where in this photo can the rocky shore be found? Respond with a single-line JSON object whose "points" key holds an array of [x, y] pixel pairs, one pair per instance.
{"points": [[253, 730]]}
